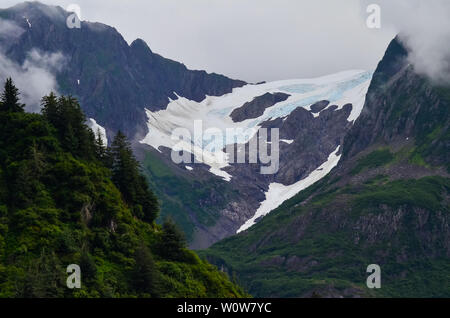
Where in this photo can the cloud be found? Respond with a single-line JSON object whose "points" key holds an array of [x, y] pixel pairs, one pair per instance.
{"points": [[35, 77], [9, 30], [252, 40], [52, 62], [424, 28], [257, 40]]}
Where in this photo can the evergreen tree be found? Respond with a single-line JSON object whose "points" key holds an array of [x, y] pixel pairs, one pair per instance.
{"points": [[127, 177], [100, 147], [50, 184], [65, 114], [44, 278], [21, 191], [37, 159], [145, 275], [9, 100], [71, 125], [50, 109], [124, 167], [147, 200], [172, 241], [87, 265]]}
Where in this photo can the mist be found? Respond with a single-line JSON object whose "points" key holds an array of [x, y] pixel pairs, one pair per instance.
{"points": [[251, 40], [424, 28], [9, 30], [264, 40], [34, 78]]}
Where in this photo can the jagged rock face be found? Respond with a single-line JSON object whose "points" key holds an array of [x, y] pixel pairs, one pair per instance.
{"points": [[387, 203], [257, 106], [117, 81], [402, 105], [311, 130], [319, 106], [313, 139]]}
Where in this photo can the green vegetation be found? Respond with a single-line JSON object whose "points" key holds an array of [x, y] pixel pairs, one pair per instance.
{"points": [[375, 159], [182, 197], [66, 199], [426, 193], [325, 245]]}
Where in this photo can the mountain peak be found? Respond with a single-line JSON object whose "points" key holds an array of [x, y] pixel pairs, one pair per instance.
{"points": [[393, 61], [103, 71], [32, 9], [35, 11], [140, 44], [402, 106]]}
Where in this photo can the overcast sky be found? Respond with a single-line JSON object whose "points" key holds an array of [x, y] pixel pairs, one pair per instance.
{"points": [[252, 40]]}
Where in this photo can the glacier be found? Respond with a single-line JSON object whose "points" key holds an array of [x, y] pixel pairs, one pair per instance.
{"points": [[214, 112]]}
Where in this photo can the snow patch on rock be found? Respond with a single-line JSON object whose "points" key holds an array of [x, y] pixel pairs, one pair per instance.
{"points": [[96, 128], [214, 112], [279, 193]]}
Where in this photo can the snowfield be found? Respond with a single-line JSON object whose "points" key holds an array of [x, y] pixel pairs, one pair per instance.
{"points": [[278, 193], [214, 112], [349, 87]]}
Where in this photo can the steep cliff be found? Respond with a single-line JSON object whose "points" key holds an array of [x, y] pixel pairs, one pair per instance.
{"points": [[386, 203]]}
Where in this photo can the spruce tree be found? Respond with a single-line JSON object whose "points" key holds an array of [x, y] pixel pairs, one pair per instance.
{"points": [[172, 241], [44, 278], [147, 200], [37, 159], [10, 98], [145, 275], [100, 147], [124, 167], [50, 108], [87, 264], [65, 114], [127, 177]]}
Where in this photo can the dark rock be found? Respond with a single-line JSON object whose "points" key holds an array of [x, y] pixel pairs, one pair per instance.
{"points": [[117, 81], [319, 106], [257, 106], [382, 215]]}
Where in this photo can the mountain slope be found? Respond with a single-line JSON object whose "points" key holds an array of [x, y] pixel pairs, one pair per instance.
{"points": [[125, 87], [386, 203], [113, 81], [312, 116], [65, 199], [129, 87]]}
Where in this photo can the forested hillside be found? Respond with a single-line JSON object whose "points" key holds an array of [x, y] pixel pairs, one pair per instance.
{"points": [[67, 199]]}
